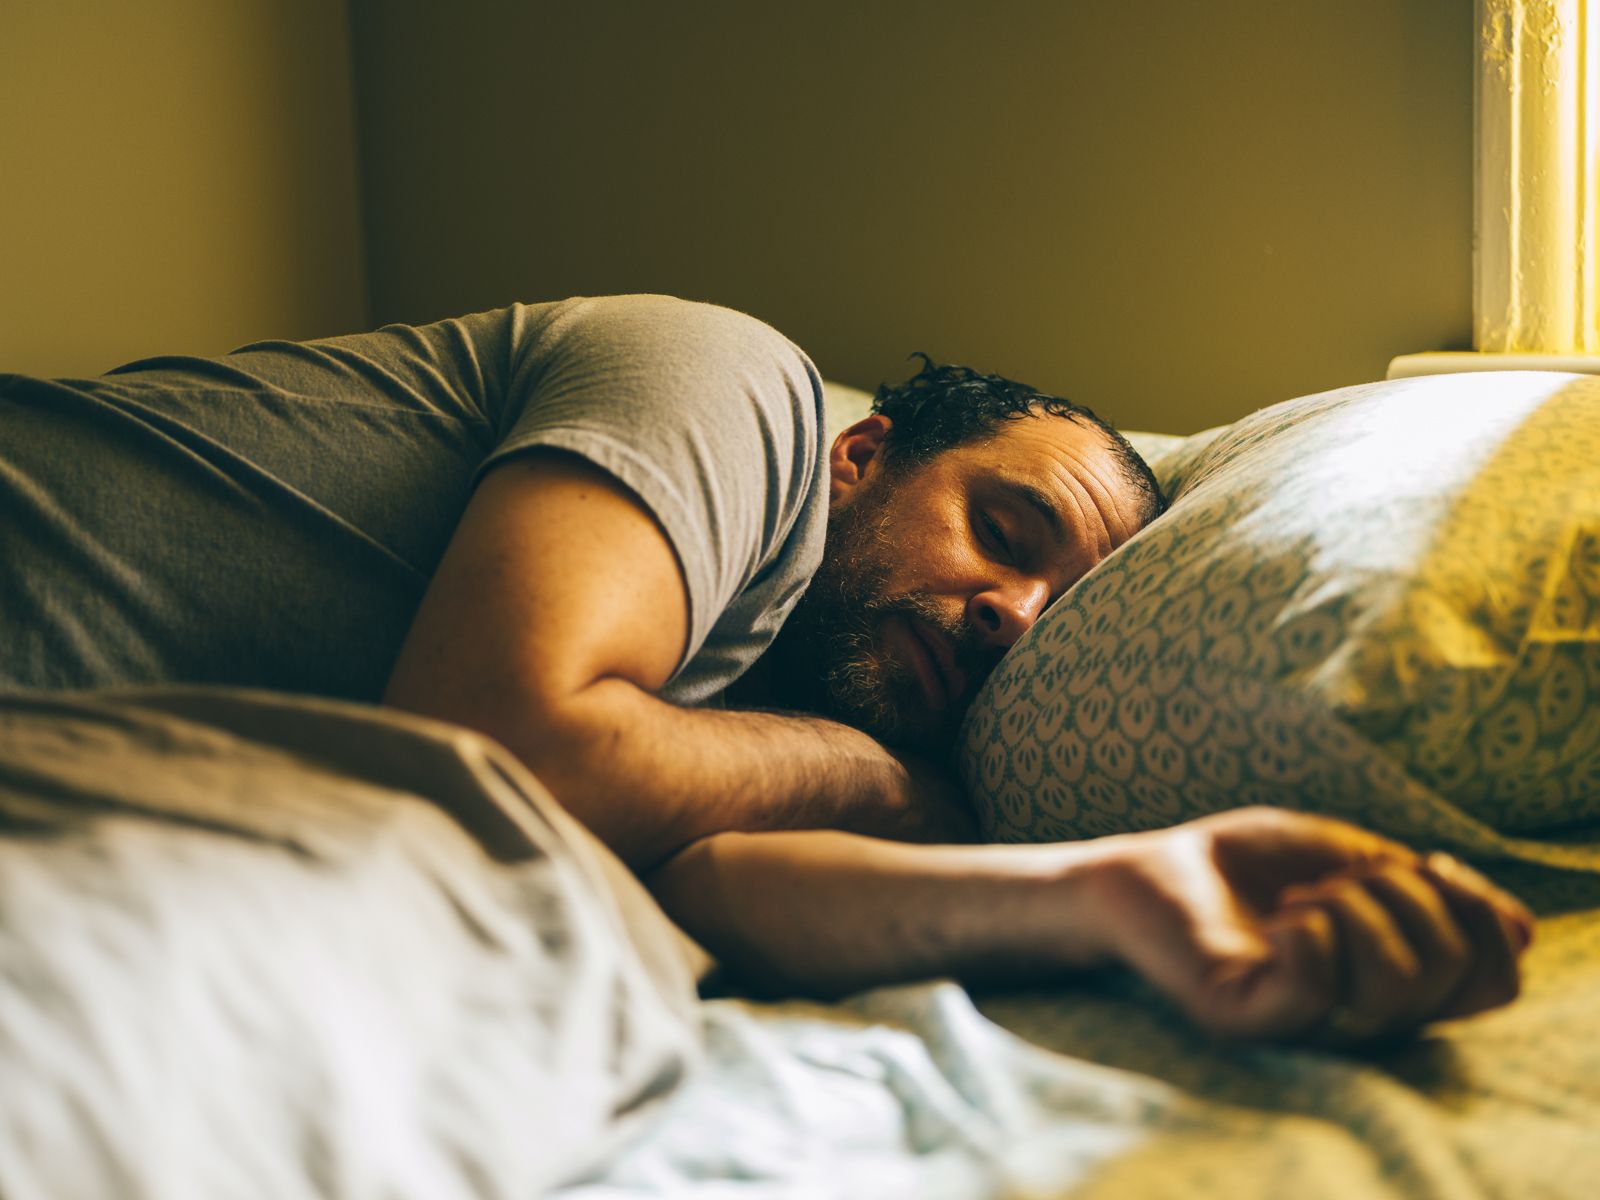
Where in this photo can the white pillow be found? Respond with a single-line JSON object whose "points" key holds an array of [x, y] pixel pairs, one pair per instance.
{"points": [[844, 406]]}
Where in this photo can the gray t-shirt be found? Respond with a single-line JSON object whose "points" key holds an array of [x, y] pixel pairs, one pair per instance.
{"points": [[271, 518]]}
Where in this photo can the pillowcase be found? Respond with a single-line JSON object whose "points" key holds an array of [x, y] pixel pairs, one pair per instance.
{"points": [[843, 406], [1381, 602]]}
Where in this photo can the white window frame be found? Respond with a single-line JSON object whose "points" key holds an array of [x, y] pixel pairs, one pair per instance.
{"points": [[1534, 198], [1536, 120]]}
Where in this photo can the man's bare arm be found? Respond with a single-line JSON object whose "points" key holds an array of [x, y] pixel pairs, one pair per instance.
{"points": [[1257, 923], [557, 613]]}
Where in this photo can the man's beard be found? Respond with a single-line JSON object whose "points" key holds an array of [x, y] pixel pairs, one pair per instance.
{"points": [[830, 650]]}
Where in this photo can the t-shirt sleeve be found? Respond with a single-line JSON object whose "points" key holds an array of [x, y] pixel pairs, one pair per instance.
{"points": [[709, 417]]}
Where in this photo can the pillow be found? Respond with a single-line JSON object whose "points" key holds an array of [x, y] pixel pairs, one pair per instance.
{"points": [[1381, 602], [1154, 447], [843, 406]]}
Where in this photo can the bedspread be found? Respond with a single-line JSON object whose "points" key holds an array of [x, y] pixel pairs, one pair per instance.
{"points": [[259, 946]]}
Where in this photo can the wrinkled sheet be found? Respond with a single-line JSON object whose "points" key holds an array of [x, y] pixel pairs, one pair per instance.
{"points": [[1094, 1090], [260, 947]]}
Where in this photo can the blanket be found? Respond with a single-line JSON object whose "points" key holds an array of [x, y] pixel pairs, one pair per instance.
{"points": [[259, 946]]}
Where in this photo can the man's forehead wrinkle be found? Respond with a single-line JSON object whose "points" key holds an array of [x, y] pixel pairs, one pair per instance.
{"points": [[1090, 520], [1077, 464], [1105, 494], [1087, 494], [1071, 517]]}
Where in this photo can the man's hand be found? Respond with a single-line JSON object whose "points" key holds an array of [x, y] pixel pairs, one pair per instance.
{"points": [[1271, 924]]}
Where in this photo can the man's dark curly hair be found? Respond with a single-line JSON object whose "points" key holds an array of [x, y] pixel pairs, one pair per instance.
{"points": [[943, 406]]}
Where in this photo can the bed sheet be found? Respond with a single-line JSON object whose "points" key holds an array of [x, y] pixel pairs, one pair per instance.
{"points": [[255, 946], [1093, 1090]]}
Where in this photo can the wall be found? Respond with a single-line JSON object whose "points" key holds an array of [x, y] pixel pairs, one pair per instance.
{"points": [[1174, 212], [178, 175]]}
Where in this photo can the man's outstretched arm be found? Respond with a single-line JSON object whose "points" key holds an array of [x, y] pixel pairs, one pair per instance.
{"points": [[557, 613], [1257, 923]]}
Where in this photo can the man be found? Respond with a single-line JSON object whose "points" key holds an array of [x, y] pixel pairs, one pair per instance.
{"points": [[574, 526]]}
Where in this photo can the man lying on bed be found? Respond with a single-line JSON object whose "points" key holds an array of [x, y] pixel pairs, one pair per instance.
{"points": [[577, 526]]}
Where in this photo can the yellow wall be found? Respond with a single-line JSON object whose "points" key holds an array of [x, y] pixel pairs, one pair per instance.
{"points": [[175, 175], [1173, 211]]}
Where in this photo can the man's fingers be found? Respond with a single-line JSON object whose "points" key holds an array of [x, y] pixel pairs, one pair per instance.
{"points": [[1380, 972], [1263, 850], [1495, 931], [1417, 945], [1455, 876], [1424, 918]]}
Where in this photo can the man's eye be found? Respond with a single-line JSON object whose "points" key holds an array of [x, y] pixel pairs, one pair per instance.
{"points": [[997, 536]]}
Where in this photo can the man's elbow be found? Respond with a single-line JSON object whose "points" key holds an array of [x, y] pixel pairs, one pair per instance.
{"points": [[580, 743]]}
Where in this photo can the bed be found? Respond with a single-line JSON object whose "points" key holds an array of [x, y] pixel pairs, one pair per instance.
{"points": [[259, 945]]}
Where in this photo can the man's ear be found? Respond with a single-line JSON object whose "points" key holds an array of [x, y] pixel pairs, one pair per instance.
{"points": [[857, 454]]}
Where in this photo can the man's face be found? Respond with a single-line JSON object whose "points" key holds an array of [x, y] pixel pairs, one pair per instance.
{"points": [[930, 574]]}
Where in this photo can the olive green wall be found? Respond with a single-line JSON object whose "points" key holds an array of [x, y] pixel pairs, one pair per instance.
{"points": [[1176, 212], [175, 175], [1173, 211]]}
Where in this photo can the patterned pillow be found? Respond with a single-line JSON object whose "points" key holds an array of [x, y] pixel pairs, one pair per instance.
{"points": [[1381, 602]]}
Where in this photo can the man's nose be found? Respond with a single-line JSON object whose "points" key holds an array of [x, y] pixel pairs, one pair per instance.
{"points": [[1003, 614]]}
